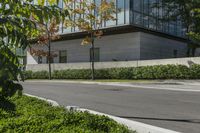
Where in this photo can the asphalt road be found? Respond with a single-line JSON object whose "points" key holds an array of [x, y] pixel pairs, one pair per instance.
{"points": [[177, 110]]}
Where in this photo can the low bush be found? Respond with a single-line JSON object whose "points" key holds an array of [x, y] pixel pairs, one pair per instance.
{"points": [[145, 72], [39, 116], [195, 71]]}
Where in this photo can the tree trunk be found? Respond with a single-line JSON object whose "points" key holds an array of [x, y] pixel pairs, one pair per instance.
{"points": [[49, 52], [92, 58], [49, 59]]}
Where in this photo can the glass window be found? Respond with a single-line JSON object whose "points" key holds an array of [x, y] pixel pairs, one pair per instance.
{"points": [[39, 59], [143, 13], [137, 5], [127, 11], [138, 18], [152, 23], [146, 13], [111, 22], [96, 54], [146, 6], [153, 10], [121, 13], [146, 21], [175, 53], [63, 56]]}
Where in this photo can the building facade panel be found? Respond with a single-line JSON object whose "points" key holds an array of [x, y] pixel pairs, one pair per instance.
{"points": [[121, 47], [154, 47]]}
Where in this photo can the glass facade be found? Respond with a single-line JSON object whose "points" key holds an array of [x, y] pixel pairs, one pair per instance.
{"points": [[149, 14], [122, 15], [140, 13]]}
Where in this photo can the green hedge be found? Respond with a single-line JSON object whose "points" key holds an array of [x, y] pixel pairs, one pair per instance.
{"points": [[146, 72]]}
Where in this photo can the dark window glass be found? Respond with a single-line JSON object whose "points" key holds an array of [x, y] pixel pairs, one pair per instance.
{"points": [[63, 56], [175, 53], [39, 59]]}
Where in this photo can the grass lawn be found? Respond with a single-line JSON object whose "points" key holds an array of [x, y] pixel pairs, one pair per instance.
{"points": [[25, 114]]}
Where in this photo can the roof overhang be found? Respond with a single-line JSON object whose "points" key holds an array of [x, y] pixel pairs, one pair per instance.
{"points": [[120, 30]]}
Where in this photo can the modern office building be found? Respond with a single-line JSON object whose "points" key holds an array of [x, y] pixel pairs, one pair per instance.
{"points": [[139, 33]]}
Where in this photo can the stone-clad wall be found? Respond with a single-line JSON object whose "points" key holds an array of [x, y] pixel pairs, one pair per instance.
{"points": [[154, 47], [99, 65], [121, 47]]}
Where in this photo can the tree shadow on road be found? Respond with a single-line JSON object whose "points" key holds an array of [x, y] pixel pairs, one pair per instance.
{"points": [[197, 121]]}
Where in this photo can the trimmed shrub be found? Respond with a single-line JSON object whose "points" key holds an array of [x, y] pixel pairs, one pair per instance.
{"points": [[145, 72], [41, 117], [195, 71], [72, 74], [40, 75], [27, 74]]}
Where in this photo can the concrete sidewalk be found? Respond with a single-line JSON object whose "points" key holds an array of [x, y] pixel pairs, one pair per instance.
{"points": [[180, 82], [168, 84]]}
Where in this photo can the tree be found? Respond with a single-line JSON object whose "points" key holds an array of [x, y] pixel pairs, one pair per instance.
{"points": [[88, 17], [17, 29], [48, 33], [195, 33], [182, 10]]}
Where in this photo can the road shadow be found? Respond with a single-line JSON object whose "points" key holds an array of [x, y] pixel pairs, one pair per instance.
{"points": [[7, 106], [197, 121]]}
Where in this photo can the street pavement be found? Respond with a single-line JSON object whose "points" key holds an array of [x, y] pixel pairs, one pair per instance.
{"points": [[171, 106]]}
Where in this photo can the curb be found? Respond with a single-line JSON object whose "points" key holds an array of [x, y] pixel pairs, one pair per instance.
{"points": [[132, 125], [53, 103]]}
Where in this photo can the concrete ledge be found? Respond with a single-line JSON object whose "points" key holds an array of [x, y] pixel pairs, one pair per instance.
{"points": [[132, 125], [117, 64]]}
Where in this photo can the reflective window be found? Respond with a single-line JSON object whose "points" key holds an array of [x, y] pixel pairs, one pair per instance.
{"points": [[149, 14], [121, 12], [143, 13], [39, 59]]}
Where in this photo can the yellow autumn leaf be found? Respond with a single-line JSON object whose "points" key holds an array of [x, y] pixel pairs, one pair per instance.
{"points": [[86, 41]]}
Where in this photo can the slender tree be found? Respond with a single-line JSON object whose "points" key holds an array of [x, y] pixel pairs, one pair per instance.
{"points": [[48, 32], [89, 16], [195, 33]]}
